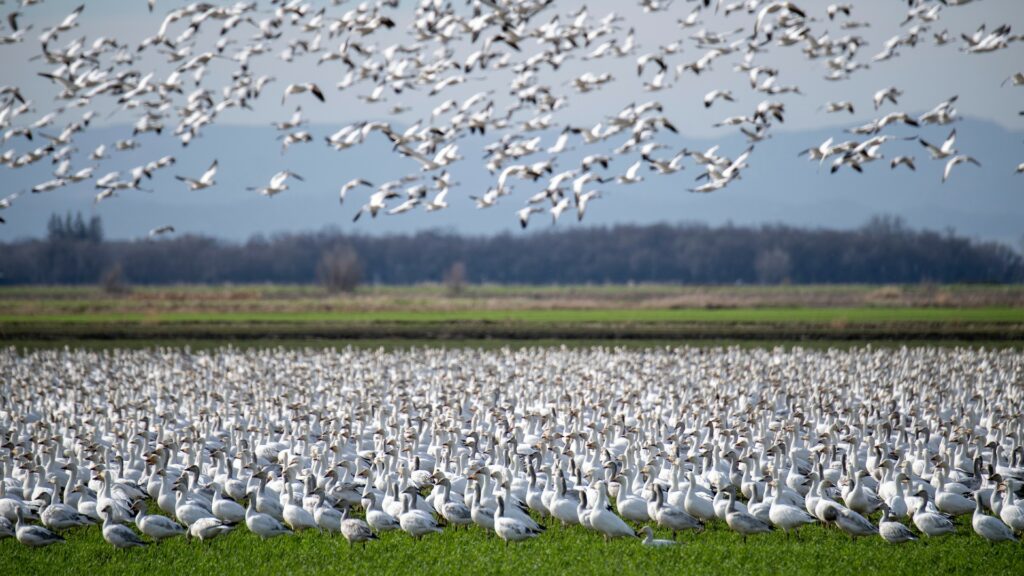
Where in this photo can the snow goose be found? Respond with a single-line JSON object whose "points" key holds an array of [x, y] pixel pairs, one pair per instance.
{"points": [[632, 175], [376, 517], [849, 521], [349, 186], [907, 161], [327, 517], [944, 151], [415, 522], [535, 494], [204, 181], [629, 505], [455, 513], [989, 527], [825, 500], [760, 505], [892, 531], [355, 530], [228, 511], [583, 509], [1011, 513], [515, 508], [931, 523], [788, 517], [295, 516], [263, 525], [278, 182], [604, 520], [161, 230], [710, 97], [862, 499], [511, 529], [33, 536], [960, 159], [482, 515], [187, 512], [208, 528], [891, 94], [650, 540], [562, 506], [671, 517], [898, 502], [118, 535], [120, 508], [951, 498], [721, 503], [87, 503], [59, 516], [695, 503], [740, 521], [300, 88], [156, 526]]}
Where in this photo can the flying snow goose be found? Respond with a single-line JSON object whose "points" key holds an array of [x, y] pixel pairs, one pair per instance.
{"points": [[710, 97], [891, 94], [944, 151], [350, 185], [278, 183], [204, 181], [960, 159], [907, 161], [300, 88], [161, 230]]}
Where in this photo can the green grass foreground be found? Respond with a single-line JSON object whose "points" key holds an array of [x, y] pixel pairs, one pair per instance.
{"points": [[558, 551]]}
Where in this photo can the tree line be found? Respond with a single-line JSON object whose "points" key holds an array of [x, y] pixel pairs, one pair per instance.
{"points": [[884, 250]]}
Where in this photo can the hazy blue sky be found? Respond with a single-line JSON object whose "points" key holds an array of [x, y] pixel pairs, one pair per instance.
{"points": [[986, 202]]}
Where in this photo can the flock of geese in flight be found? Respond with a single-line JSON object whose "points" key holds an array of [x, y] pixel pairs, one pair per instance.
{"points": [[156, 444], [206, 60]]}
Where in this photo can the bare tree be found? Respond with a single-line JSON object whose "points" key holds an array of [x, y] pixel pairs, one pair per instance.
{"points": [[340, 269], [773, 266], [455, 278], [112, 280]]}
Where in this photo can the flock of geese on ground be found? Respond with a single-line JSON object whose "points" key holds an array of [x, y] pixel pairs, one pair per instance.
{"points": [[200, 64], [156, 444]]}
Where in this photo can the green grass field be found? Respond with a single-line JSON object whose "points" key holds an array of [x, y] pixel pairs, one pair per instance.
{"points": [[754, 315], [487, 316], [558, 551], [557, 313]]}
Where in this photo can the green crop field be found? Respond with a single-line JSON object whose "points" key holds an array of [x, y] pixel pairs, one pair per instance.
{"points": [[756, 315], [556, 313], [558, 551]]}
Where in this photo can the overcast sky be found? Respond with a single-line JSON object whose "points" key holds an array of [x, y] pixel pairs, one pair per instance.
{"points": [[986, 202]]}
